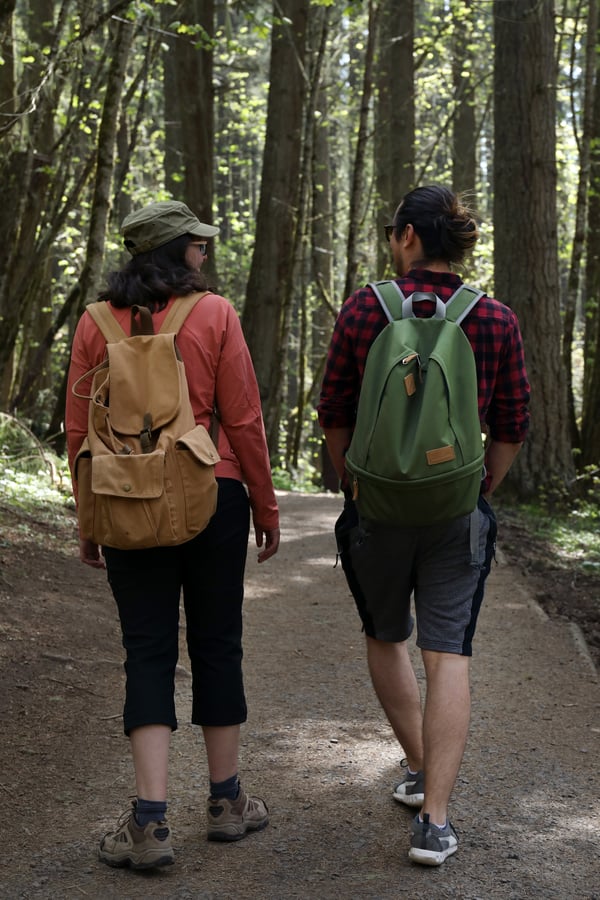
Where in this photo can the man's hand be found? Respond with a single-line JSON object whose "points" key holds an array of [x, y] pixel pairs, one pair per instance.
{"points": [[89, 553], [338, 441], [499, 458], [271, 539]]}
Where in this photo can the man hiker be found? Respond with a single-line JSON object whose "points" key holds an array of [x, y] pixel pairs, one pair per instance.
{"points": [[444, 565]]}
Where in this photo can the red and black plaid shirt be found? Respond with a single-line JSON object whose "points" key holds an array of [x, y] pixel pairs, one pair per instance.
{"points": [[493, 332]]}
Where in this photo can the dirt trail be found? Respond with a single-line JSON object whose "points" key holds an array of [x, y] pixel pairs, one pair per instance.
{"points": [[316, 745]]}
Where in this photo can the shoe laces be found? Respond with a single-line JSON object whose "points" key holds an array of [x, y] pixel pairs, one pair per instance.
{"points": [[127, 813], [121, 822], [254, 803]]}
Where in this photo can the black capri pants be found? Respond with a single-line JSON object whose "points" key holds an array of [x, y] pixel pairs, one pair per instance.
{"points": [[147, 586]]}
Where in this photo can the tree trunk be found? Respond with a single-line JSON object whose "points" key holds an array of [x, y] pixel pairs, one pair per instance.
{"points": [[590, 418], [90, 276], [269, 289], [189, 113], [25, 178], [323, 272], [7, 70], [577, 249], [318, 34], [526, 252], [357, 188], [464, 133], [394, 116]]}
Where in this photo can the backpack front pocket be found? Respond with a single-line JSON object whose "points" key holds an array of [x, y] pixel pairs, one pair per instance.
{"points": [[195, 458], [135, 476]]}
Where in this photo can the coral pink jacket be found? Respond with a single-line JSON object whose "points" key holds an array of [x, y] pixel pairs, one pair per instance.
{"points": [[220, 374]]}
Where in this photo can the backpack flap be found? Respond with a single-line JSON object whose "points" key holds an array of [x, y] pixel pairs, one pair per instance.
{"points": [[138, 476], [144, 381], [200, 444]]}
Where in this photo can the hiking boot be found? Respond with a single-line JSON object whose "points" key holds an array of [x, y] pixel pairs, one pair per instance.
{"points": [[137, 846], [431, 845], [411, 789], [231, 820]]}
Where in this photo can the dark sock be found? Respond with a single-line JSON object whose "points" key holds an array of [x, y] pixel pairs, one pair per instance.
{"points": [[229, 788], [149, 811]]}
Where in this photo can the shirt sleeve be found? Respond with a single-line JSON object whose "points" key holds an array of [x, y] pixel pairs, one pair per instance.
{"points": [[508, 414], [341, 381], [240, 414]]}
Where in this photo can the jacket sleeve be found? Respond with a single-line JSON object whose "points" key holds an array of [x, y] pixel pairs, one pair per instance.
{"points": [[240, 413], [87, 351]]}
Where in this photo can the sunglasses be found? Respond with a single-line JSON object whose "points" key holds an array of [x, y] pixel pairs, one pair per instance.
{"points": [[201, 245], [388, 229]]}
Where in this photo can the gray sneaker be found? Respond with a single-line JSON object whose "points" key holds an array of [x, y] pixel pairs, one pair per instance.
{"points": [[410, 790], [431, 845], [231, 820], [137, 846]]}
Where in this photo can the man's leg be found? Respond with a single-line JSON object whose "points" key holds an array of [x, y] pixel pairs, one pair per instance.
{"points": [[445, 728], [397, 689]]}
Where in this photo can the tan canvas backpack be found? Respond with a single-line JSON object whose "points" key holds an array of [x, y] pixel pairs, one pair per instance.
{"points": [[145, 472]]}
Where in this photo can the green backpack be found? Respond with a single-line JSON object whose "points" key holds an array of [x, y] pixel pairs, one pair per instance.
{"points": [[416, 456]]}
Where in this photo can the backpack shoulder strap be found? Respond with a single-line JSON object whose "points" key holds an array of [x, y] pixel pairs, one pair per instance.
{"points": [[462, 302], [390, 298], [179, 312], [106, 322]]}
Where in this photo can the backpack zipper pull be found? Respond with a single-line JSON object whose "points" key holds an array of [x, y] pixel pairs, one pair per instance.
{"points": [[408, 359]]}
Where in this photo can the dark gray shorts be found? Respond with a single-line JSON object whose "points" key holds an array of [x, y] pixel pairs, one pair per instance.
{"points": [[439, 564]]}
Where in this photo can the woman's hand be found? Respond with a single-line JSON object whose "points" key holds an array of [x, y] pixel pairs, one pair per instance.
{"points": [[271, 539], [89, 553]]}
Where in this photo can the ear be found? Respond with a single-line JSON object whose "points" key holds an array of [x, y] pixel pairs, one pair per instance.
{"points": [[409, 235]]}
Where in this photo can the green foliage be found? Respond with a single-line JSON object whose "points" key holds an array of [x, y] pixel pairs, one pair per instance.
{"points": [[304, 475], [24, 457], [588, 494], [572, 533], [580, 500], [305, 478], [30, 491], [60, 76], [33, 479]]}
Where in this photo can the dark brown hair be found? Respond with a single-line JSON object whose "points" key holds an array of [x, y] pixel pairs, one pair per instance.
{"points": [[445, 225], [150, 279]]}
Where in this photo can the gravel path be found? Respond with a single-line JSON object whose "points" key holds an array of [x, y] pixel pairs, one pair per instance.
{"points": [[316, 745]]}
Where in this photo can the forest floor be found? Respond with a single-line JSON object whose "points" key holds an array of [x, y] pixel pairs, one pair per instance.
{"points": [[316, 744]]}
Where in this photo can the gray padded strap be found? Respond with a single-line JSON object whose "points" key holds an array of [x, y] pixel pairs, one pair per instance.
{"points": [[394, 298], [396, 306], [408, 309]]}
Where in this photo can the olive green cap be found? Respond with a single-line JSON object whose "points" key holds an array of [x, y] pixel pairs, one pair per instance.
{"points": [[158, 223]]}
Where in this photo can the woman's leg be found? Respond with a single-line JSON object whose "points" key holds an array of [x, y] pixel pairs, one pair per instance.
{"points": [[213, 594], [150, 752], [222, 749], [213, 597], [146, 587]]}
